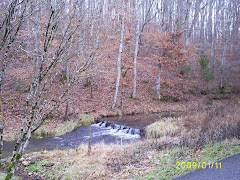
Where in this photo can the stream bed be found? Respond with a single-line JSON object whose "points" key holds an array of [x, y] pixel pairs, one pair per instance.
{"points": [[117, 130]]}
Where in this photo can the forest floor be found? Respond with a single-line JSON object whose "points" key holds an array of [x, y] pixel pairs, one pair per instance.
{"points": [[95, 100]]}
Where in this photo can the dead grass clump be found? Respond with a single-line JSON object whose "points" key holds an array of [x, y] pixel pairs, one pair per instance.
{"points": [[138, 158], [10, 136], [128, 156], [164, 127], [76, 164], [68, 126], [212, 123], [86, 119], [42, 131]]}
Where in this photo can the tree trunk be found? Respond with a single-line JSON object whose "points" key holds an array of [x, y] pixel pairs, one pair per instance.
{"points": [[1, 129], [119, 64], [89, 141], [223, 47], [10, 26], [68, 96], [122, 97], [195, 18], [136, 52], [158, 82], [223, 62], [74, 103]]}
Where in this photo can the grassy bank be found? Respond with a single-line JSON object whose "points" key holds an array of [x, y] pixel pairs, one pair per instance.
{"points": [[149, 159], [66, 126], [57, 129], [168, 168]]}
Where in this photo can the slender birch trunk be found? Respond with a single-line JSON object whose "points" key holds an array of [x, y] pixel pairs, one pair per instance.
{"points": [[119, 64], [1, 129], [216, 21], [223, 27], [136, 51], [9, 28], [223, 61], [195, 18]]}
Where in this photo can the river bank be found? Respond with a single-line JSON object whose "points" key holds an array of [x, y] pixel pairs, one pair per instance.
{"points": [[56, 125], [203, 134]]}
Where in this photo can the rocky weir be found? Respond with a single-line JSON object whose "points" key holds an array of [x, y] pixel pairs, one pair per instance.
{"points": [[119, 129]]}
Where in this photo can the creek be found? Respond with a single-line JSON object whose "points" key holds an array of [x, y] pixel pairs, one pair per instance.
{"points": [[117, 130]]}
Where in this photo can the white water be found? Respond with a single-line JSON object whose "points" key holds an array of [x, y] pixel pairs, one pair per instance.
{"points": [[125, 134]]}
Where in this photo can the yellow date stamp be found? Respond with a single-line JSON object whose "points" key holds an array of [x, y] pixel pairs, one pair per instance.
{"points": [[198, 165]]}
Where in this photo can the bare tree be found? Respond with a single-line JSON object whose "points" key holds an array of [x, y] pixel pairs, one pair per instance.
{"points": [[39, 103], [10, 25], [119, 63], [195, 17], [137, 35]]}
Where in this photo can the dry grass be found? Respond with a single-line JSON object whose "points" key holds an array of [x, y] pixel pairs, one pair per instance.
{"points": [[42, 131], [10, 136], [68, 126], [214, 122], [202, 122], [76, 164], [86, 119], [164, 127], [105, 161], [124, 162]]}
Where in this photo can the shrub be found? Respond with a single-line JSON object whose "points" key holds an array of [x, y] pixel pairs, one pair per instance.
{"points": [[224, 90], [50, 116], [204, 92], [204, 62], [169, 98], [37, 166], [63, 78], [206, 72], [185, 69]]}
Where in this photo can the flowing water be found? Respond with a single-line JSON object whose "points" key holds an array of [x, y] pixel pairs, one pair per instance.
{"points": [[116, 130]]}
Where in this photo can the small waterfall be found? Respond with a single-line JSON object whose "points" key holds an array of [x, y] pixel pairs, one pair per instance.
{"points": [[118, 130]]}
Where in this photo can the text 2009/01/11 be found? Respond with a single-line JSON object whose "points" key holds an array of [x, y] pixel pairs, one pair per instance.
{"points": [[196, 165]]}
